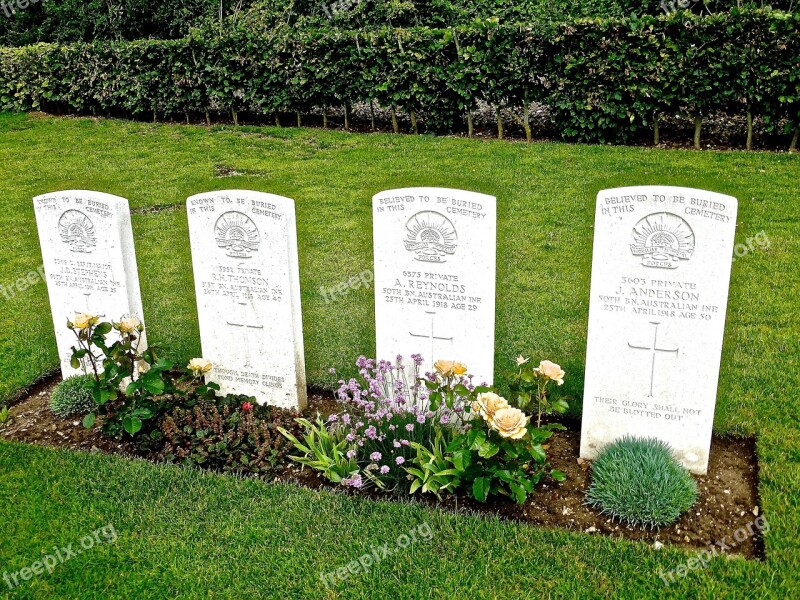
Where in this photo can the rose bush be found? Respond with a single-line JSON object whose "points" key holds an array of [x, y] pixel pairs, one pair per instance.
{"points": [[131, 386], [531, 386]]}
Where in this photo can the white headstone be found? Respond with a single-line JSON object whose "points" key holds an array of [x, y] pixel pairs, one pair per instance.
{"points": [[89, 261], [660, 274], [435, 276], [247, 280]]}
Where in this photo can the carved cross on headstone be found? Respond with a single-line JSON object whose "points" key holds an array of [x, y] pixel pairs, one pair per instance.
{"points": [[248, 325], [87, 308], [654, 349], [432, 337]]}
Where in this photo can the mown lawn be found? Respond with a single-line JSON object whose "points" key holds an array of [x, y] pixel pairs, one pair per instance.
{"points": [[183, 533]]}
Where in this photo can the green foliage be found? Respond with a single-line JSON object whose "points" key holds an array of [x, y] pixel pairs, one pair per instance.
{"points": [[229, 434], [323, 449], [5, 416], [483, 463], [639, 481], [69, 21], [73, 396], [435, 471], [605, 80], [87, 20]]}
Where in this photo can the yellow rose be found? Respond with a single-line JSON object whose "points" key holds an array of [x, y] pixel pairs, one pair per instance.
{"points": [[449, 368], [510, 423], [198, 366], [128, 325], [488, 404], [84, 320], [551, 370]]}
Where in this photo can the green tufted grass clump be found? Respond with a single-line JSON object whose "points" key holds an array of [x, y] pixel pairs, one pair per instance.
{"points": [[71, 396], [639, 481]]}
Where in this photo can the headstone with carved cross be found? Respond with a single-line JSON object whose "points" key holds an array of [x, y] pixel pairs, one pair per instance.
{"points": [[660, 273], [435, 276], [247, 282], [89, 261]]}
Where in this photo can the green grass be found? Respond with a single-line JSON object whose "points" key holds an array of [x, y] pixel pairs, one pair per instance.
{"points": [[181, 533], [184, 533]]}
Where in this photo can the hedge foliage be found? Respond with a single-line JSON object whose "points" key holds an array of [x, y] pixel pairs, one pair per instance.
{"points": [[67, 21], [604, 79]]}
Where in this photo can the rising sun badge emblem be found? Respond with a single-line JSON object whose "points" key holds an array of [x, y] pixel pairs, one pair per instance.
{"points": [[77, 231], [662, 240], [237, 235], [430, 236]]}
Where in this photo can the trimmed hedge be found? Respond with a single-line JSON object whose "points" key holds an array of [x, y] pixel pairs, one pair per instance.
{"points": [[68, 21], [605, 80]]}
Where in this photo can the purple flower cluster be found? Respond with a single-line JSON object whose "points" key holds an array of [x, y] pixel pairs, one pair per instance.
{"points": [[385, 395], [384, 410], [355, 481]]}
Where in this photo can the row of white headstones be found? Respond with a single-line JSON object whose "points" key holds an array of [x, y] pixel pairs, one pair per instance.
{"points": [[660, 277]]}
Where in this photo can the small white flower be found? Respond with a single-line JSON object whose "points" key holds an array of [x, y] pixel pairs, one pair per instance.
{"points": [[199, 366]]}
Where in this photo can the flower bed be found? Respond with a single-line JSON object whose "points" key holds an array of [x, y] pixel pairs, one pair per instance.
{"points": [[391, 431]]}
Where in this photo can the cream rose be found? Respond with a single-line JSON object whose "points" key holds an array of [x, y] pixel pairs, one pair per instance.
{"points": [[444, 367], [510, 423], [198, 366], [488, 403], [128, 325], [521, 360], [551, 370], [84, 320], [123, 385], [459, 368]]}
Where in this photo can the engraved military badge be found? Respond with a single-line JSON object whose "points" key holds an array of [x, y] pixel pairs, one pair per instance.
{"points": [[663, 240], [237, 234], [430, 236], [77, 231]]}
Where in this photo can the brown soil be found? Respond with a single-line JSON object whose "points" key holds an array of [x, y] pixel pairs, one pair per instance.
{"points": [[728, 500]]}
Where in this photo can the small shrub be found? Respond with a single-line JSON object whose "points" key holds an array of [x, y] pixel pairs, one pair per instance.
{"points": [[229, 434], [72, 396], [639, 481]]}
